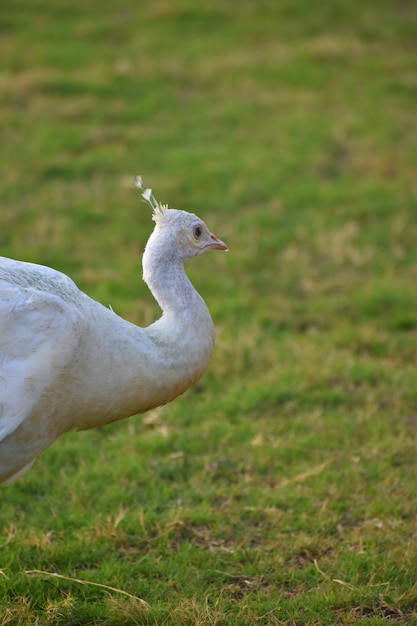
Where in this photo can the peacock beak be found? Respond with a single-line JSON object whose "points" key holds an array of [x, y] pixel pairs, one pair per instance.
{"points": [[216, 244]]}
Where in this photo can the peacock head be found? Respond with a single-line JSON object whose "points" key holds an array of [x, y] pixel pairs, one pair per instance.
{"points": [[186, 231]]}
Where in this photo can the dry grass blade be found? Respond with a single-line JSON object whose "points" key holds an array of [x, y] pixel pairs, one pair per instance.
{"points": [[313, 471], [345, 584], [87, 582], [320, 571], [334, 580]]}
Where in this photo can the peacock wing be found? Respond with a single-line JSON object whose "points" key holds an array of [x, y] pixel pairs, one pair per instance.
{"points": [[39, 334]]}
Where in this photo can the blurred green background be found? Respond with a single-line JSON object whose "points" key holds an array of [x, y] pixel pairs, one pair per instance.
{"points": [[281, 489]]}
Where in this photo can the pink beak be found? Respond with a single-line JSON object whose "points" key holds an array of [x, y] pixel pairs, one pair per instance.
{"points": [[216, 244]]}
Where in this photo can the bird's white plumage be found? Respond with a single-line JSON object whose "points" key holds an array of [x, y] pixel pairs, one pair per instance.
{"points": [[67, 362], [39, 331]]}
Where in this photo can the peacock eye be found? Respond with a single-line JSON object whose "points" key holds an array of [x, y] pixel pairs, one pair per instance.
{"points": [[197, 232]]}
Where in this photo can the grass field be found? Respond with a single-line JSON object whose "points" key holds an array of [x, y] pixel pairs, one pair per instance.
{"points": [[282, 488]]}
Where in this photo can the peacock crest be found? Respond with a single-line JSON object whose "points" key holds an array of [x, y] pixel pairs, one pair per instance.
{"points": [[158, 209]]}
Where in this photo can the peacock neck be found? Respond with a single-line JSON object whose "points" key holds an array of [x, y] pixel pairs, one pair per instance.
{"points": [[163, 272], [176, 296], [149, 366]]}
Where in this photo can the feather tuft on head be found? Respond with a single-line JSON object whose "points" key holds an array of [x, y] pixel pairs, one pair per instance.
{"points": [[158, 209]]}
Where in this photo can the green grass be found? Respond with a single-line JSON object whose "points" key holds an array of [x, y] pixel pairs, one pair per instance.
{"points": [[281, 489]]}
